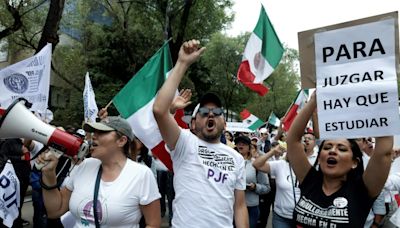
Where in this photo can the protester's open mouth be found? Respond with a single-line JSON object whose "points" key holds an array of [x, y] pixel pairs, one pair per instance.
{"points": [[93, 146], [210, 124], [331, 161]]}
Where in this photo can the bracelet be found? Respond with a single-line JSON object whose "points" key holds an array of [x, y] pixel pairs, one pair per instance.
{"points": [[44, 186]]}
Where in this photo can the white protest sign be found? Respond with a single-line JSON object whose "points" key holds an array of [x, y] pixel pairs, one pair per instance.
{"points": [[237, 127], [356, 81], [29, 79]]}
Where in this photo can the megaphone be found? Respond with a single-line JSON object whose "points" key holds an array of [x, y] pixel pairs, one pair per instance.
{"points": [[18, 122]]}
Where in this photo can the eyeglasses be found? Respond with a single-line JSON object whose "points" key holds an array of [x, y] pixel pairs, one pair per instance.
{"points": [[205, 111]]}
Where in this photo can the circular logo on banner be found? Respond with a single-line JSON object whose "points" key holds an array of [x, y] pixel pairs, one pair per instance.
{"points": [[340, 202], [17, 83]]}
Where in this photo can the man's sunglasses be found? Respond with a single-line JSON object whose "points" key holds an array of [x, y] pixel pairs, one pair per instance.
{"points": [[205, 111]]}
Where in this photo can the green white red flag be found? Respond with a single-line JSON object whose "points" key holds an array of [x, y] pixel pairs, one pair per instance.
{"points": [[261, 56], [295, 107], [251, 121], [274, 120], [135, 102]]}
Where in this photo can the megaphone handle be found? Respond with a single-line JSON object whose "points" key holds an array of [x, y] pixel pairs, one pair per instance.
{"points": [[56, 153]]}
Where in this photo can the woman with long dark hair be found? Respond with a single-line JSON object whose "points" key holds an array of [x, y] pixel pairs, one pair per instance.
{"points": [[339, 193], [256, 182]]}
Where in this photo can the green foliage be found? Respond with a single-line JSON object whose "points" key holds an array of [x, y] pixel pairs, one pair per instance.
{"points": [[113, 52], [208, 17], [222, 59], [33, 16]]}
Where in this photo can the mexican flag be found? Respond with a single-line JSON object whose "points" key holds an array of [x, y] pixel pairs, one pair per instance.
{"points": [[251, 121], [135, 102], [274, 120], [261, 56], [295, 108]]}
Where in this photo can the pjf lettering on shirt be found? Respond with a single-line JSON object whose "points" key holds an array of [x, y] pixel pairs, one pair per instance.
{"points": [[9, 197], [217, 176]]}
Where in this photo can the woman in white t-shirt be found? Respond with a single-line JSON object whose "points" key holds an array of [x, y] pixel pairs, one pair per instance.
{"points": [[256, 183], [287, 191], [121, 190]]}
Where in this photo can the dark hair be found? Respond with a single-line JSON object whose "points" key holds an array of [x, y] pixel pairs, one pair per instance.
{"points": [[357, 155], [12, 148], [229, 134], [127, 147], [70, 129], [253, 145], [144, 156]]}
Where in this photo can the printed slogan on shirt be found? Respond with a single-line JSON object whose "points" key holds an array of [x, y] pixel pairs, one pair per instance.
{"points": [[220, 165]]}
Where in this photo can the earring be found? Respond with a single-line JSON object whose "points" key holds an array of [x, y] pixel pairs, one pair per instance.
{"points": [[354, 166]]}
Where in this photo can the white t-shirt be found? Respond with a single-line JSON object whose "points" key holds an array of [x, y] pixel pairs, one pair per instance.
{"points": [[206, 176], [284, 203], [119, 200]]}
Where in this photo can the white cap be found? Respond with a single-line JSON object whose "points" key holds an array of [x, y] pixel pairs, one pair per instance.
{"points": [[81, 132], [196, 109], [263, 130]]}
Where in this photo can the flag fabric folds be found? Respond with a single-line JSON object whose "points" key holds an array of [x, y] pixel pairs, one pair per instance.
{"points": [[29, 78], [135, 102], [274, 120], [89, 101], [251, 121], [295, 107], [261, 56]]}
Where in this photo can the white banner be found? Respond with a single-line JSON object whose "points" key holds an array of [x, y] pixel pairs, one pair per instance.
{"points": [[29, 79], [237, 127], [89, 101], [356, 81]]}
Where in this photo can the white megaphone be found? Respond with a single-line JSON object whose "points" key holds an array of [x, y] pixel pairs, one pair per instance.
{"points": [[18, 122]]}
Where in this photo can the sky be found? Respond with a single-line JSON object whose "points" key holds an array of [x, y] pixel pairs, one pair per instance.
{"points": [[292, 16]]}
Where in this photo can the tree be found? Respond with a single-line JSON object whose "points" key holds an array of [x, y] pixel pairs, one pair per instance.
{"points": [[19, 16], [222, 59], [117, 50], [52, 25]]}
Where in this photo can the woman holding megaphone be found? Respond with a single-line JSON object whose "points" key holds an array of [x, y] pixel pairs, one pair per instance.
{"points": [[108, 189]]}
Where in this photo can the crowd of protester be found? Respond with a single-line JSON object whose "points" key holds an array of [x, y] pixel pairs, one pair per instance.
{"points": [[219, 178]]}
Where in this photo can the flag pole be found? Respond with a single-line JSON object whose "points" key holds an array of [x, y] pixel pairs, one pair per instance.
{"points": [[108, 105]]}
